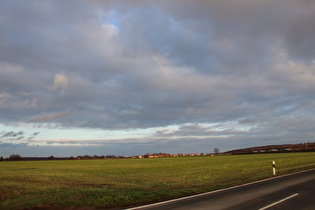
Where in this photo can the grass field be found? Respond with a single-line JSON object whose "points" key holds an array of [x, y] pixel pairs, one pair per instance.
{"points": [[125, 182]]}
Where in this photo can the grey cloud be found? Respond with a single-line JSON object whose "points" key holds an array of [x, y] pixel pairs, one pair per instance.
{"points": [[143, 64], [247, 120], [33, 136], [20, 135], [47, 117], [253, 27], [11, 145], [11, 134], [46, 125]]}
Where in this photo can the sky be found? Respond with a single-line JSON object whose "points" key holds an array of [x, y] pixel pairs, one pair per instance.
{"points": [[116, 77]]}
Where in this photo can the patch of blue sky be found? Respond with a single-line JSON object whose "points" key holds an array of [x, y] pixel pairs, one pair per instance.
{"points": [[55, 131], [111, 18]]}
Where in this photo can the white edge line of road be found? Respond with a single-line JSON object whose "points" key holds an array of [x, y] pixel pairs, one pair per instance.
{"points": [[212, 192], [280, 201]]}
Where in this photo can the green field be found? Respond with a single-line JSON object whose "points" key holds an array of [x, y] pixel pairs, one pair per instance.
{"points": [[125, 182]]}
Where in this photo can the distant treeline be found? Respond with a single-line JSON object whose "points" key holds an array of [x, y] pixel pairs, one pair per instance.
{"points": [[16, 157], [302, 147]]}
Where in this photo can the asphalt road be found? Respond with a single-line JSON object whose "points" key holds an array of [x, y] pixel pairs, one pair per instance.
{"points": [[294, 191]]}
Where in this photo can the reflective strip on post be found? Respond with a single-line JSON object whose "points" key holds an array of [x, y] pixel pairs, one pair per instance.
{"points": [[274, 167]]}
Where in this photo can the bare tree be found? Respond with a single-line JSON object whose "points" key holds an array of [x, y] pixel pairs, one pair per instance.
{"points": [[15, 157], [216, 150]]}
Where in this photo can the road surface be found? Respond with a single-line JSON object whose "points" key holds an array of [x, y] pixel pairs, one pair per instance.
{"points": [[294, 191]]}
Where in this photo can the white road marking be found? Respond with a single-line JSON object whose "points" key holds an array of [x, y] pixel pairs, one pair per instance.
{"points": [[275, 203]]}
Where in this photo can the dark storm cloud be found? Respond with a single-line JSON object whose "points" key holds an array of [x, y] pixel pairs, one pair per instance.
{"points": [[142, 64]]}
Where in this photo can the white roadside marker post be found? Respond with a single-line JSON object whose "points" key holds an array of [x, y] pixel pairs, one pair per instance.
{"points": [[274, 167]]}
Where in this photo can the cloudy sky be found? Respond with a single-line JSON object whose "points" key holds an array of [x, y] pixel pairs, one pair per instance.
{"points": [[130, 77]]}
